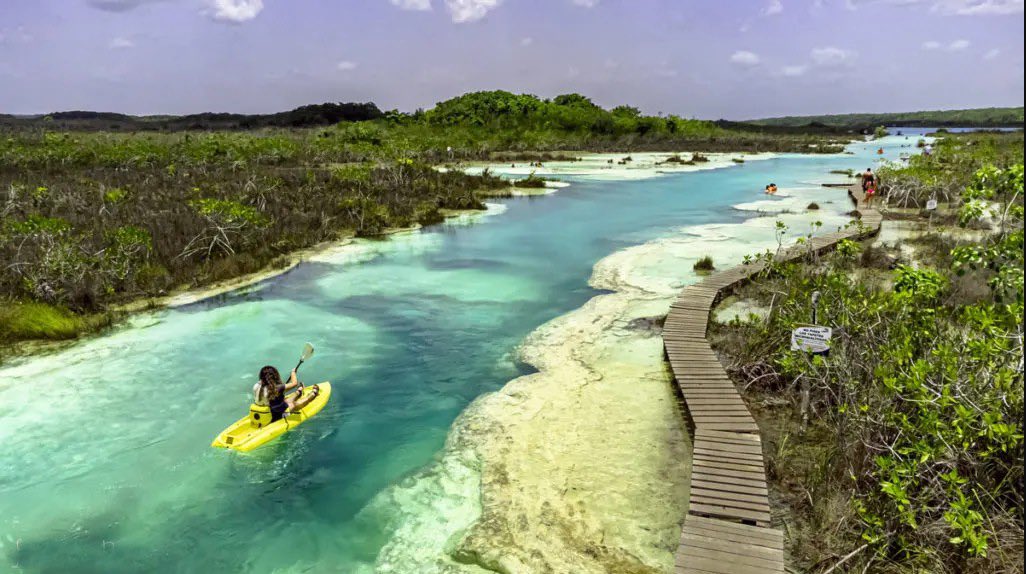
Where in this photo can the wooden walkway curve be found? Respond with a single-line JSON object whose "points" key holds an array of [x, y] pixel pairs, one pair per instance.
{"points": [[727, 530]]}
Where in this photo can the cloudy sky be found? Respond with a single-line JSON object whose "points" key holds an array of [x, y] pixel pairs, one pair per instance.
{"points": [[732, 59]]}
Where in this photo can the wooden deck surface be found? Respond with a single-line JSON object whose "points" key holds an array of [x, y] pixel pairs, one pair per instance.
{"points": [[727, 529]]}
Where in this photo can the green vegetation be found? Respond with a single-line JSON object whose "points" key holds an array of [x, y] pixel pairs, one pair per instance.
{"points": [[979, 117], [21, 320], [531, 181], [94, 219], [949, 169], [902, 449], [705, 264]]}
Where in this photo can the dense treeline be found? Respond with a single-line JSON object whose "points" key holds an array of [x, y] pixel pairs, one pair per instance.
{"points": [[977, 117], [499, 120], [902, 450], [304, 116], [477, 124]]}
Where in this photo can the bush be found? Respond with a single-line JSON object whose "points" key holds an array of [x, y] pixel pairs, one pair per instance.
{"points": [[813, 206], [705, 264], [531, 181]]}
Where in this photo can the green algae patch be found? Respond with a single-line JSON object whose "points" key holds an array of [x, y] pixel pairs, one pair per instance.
{"points": [[26, 320]]}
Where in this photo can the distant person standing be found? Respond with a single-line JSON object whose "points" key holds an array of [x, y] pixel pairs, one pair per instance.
{"points": [[868, 178], [870, 192]]}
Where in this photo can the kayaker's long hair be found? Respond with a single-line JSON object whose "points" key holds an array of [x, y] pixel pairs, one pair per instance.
{"points": [[270, 378]]}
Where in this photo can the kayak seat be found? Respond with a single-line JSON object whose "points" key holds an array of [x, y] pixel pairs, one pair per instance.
{"points": [[259, 415]]}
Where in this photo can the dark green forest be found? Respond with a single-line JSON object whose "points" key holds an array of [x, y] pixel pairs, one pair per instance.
{"points": [[304, 116], [977, 118]]}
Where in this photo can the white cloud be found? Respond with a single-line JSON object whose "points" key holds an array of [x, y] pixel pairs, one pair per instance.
{"points": [[991, 54], [470, 10], [412, 4], [346, 65], [526, 41], [236, 11], [745, 58], [774, 7], [978, 7], [952, 7], [585, 3], [954, 46], [832, 56], [794, 71], [121, 43]]}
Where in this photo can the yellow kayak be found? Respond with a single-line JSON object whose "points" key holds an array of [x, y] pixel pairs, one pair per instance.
{"points": [[256, 429]]}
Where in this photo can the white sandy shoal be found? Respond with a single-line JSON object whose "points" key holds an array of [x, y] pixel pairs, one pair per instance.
{"points": [[598, 167]]}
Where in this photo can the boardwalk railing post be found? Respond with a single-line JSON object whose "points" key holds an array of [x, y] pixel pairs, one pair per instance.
{"points": [[815, 302]]}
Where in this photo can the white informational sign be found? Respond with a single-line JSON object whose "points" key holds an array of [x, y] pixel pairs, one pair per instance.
{"points": [[811, 339], [931, 204]]}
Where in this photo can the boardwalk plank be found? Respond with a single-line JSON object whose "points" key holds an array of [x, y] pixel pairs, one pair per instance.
{"points": [[729, 512]]}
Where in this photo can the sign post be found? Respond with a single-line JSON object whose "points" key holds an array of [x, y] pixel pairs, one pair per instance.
{"points": [[814, 339], [815, 304]]}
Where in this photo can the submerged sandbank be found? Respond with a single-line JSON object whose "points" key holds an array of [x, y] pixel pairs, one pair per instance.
{"points": [[345, 247]]}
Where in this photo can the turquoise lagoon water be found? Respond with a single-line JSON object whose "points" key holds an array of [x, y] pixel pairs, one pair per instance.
{"points": [[105, 464]]}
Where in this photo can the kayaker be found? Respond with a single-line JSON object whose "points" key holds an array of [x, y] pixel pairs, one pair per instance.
{"points": [[269, 391]]}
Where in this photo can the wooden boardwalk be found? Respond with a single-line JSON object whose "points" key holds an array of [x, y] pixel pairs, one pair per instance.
{"points": [[727, 530]]}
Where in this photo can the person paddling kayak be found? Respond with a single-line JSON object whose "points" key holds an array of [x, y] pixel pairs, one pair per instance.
{"points": [[270, 392], [274, 412]]}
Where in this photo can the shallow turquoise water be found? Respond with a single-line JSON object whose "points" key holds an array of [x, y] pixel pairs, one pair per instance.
{"points": [[110, 471]]}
